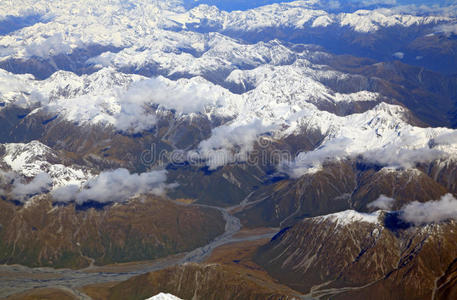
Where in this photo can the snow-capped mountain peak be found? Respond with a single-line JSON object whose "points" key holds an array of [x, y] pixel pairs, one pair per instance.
{"points": [[350, 217], [164, 296]]}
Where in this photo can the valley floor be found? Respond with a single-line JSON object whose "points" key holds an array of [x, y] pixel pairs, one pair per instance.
{"points": [[20, 282]]}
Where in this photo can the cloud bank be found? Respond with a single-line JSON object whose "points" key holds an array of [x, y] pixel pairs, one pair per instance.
{"points": [[390, 156], [421, 213], [398, 157], [114, 186], [185, 96], [48, 47]]}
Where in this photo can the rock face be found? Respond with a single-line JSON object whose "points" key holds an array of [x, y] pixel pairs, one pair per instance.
{"points": [[199, 281], [350, 255], [41, 234]]}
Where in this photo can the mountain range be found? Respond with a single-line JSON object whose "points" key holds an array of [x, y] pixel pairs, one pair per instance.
{"points": [[139, 130]]}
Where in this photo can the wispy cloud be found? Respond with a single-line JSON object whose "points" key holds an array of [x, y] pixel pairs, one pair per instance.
{"points": [[383, 202], [448, 29], [420, 213], [307, 162]]}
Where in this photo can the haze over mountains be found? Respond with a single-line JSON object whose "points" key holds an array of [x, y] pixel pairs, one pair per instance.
{"points": [[125, 124]]}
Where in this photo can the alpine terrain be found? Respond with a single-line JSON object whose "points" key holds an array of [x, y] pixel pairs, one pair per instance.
{"points": [[215, 149]]}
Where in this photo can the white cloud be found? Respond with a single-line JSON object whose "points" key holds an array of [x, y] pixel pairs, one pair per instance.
{"points": [[185, 96], [308, 162], [66, 193], [231, 143], [448, 29], [399, 55], [398, 156], [383, 202], [114, 186], [21, 190], [432, 211], [7, 177], [449, 138], [48, 47], [395, 156]]}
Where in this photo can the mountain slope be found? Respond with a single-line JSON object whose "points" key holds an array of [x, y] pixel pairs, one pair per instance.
{"points": [[41, 234], [349, 255], [206, 281]]}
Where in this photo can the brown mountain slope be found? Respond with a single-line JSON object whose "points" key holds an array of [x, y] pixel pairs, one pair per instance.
{"points": [[63, 236], [446, 286], [200, 281], [44, 294], [343, 256], [338, 186], [228, 273]]}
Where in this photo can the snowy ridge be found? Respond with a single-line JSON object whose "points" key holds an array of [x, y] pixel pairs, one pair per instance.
{"points": [[197, 54], [37, 170], [111, 97], [381, 135], [32, 159], [65, 85], [300, 14], [348, 217], [281, 100]]}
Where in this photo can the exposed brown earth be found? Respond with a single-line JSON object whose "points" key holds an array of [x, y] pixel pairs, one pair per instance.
{"points": [[99, 291], [44, 294]]}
